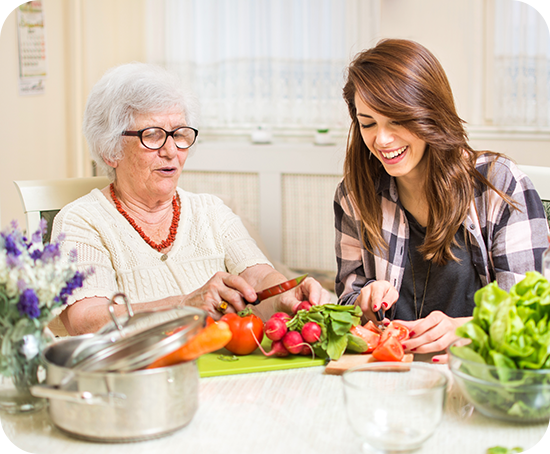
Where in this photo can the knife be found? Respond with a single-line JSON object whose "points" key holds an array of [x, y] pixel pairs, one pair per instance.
{"points": [[278, 289], [380, 314]]}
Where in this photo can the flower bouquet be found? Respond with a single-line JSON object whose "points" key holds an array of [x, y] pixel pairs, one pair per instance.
{"points": [[35, 281]]}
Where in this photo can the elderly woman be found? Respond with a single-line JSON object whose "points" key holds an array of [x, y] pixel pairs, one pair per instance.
{"points": [[144, 236]]}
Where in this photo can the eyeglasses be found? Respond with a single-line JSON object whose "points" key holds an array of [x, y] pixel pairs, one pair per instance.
{"points": [[154, 138]]}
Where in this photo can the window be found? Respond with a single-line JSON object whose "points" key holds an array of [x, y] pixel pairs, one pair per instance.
{"points": [[263, 62], [521, 66]]}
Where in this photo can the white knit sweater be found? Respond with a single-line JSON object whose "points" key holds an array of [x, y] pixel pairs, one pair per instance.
{"points": [[210, 238]]}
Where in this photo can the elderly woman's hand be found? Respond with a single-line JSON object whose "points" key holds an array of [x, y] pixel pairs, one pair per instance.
{"points": [[221, 287]]}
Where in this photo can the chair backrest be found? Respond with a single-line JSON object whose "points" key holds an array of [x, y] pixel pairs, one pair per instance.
{"points": [[42, 199], [540, 176]]}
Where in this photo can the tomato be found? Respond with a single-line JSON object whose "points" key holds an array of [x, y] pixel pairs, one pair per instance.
{"points": [[244, 327], [372, 327], [370, 337], [396, 330], [389, 350]]}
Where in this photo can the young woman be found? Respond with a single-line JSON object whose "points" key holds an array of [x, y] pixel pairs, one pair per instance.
{"points": [[423, 220]]}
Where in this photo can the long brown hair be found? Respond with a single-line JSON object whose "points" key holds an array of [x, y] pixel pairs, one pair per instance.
{"points": [[402, 80]]}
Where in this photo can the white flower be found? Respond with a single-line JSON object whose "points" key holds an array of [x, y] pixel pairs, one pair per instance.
{"points": [[30, 348], [34, 276]]}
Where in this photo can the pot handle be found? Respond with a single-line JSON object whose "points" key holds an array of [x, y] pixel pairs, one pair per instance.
{"points": [[111, 308], [78, 397]]}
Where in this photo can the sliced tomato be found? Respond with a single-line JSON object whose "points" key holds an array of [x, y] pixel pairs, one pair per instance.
{"points": [[390, 350], [370, 337], [395, 329], [372, 327]]}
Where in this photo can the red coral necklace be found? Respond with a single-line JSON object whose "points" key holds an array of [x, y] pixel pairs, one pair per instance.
{"points": [[173, 227]]}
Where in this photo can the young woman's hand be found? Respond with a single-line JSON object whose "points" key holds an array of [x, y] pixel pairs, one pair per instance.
{"points": [[432, 334], [374, 296]]}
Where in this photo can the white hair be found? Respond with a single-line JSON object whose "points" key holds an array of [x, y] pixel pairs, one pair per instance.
{"points": [[124, 92]]}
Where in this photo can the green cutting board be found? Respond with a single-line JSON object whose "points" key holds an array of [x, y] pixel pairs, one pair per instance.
{"points": [[224, 362]]}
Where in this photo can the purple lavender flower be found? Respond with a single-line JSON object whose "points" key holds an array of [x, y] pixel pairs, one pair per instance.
{"points": [[39, 234], [28, 304], [76, 282], [11, 245], [36, 237], [51, 252]]}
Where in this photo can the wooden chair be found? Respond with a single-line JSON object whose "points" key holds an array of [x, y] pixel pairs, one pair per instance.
{"points": [[540, 176], [42, 199]]}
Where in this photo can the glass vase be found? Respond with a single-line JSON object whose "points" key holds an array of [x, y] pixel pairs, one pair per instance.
{"points": [[21, 367]]}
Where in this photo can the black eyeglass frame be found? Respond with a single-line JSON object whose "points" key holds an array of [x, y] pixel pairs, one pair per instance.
{"points": [[167, 134]]}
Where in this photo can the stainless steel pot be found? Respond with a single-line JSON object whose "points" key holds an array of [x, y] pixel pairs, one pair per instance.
{"points": [[117, 406]]}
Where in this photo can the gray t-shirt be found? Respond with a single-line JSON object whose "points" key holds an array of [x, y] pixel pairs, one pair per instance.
{"points": [[450, 288]]}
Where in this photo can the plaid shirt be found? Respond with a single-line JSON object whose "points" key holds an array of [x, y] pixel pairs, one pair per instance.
{"points": [[504, 243]]}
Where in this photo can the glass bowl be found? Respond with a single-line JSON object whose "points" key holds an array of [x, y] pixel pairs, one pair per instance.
{"points": [[520, 395], [394, 407]]}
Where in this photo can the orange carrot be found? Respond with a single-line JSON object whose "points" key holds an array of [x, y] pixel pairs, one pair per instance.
{"points": [[211, 338]]}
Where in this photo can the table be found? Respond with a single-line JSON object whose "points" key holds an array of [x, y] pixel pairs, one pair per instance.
{"points": [[289, 411]]}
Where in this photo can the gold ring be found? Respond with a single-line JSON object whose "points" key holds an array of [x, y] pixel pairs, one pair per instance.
{"points": [[222, 307]]}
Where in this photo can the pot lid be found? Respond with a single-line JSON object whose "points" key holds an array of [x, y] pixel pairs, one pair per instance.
{"points": [[137, 341]]}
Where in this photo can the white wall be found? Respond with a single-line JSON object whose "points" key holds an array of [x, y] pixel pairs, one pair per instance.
{"points": [[85, 37], [36, 144], [453, 31]]}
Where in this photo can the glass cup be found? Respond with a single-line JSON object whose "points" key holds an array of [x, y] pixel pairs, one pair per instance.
{"points": [[394, 406]]}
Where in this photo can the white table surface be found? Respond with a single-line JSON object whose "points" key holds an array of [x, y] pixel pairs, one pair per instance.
{"points": [[292, 411]]}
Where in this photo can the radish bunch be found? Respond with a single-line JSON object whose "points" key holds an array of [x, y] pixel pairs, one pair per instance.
{"points": [[287, 341], [320, 330]]}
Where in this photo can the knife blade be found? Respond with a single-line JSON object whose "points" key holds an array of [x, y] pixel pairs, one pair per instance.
{"points": [[380, 315], [278, 289]]}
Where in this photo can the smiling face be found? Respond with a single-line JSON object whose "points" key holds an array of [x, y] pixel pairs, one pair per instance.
{"points": [[151, 174], [401, 153]]}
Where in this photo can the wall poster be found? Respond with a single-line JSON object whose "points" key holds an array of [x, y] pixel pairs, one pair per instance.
{"points": [[32, 48]]}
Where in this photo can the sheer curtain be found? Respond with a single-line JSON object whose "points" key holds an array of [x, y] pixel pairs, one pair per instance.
{"points": [[522, 66], [263, 62]]}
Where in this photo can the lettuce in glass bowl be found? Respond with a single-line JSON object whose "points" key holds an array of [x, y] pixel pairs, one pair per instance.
{"points": [[502, 364]]}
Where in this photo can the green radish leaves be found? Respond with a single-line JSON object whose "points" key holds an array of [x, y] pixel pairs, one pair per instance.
{"points": [[335, 322]]}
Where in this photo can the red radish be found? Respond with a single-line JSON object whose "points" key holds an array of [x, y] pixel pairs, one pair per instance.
{"points": [[282, 315], [277, 349], [293, 342], [311, 332], [302, 305], [275, 329], [307, 350]]}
